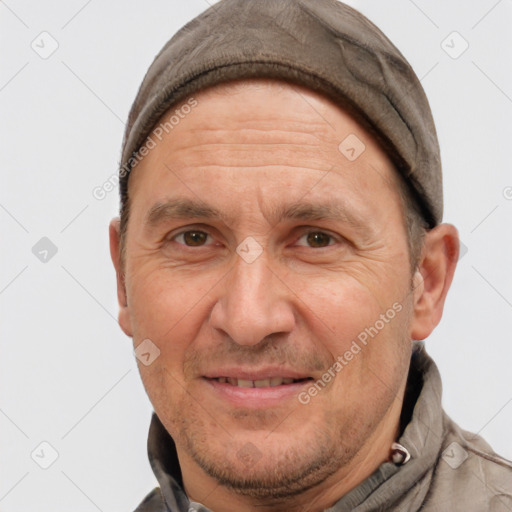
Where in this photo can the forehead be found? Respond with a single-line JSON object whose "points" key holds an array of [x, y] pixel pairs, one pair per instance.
{"points": [[265, 132]]}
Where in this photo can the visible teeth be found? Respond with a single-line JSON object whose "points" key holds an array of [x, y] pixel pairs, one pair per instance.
{"points": [[245, 383], [263, 383]]}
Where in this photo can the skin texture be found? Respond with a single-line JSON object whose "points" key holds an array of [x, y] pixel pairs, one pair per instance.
{"points": [[249, 149]]}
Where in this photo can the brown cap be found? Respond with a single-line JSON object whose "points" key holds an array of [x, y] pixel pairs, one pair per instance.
{"points": [[321, 44]]}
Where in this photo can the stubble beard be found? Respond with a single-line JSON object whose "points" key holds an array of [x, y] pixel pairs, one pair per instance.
{"points": [[280, 472]]}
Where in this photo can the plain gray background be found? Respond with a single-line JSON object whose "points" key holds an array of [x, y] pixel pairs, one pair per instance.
{"points": [[67, 373]]}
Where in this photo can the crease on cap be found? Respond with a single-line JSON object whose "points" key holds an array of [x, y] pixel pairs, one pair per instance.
{"points": [[321, 44]]}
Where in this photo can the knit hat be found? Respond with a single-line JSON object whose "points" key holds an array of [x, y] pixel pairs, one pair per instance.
{"points": [[324, 45]]}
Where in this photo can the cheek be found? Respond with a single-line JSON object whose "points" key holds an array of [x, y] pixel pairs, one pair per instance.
{"points": [[340, 305], [169, 309], [365, 332]]}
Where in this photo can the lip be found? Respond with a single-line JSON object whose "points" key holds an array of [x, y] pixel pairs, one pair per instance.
{"points": [[255, 398], [266, 372]]}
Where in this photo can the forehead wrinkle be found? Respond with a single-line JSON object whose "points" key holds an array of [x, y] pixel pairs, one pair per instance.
{"points": [[241, 154], [292, 125], [251, 131]]}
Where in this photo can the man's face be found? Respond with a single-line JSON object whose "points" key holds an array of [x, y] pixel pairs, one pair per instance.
{"points": [[275, 257]]}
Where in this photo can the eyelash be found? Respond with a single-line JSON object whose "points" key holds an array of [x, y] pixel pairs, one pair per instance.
{"points": [[181, 233]]}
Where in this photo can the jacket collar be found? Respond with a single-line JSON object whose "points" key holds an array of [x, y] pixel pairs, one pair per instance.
{"points": [[422, 417]]}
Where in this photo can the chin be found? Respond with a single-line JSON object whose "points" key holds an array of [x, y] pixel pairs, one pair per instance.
{"points": [[267, 464]]}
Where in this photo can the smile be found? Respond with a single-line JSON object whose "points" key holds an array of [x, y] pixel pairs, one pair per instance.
{"points": [[261, 383]]}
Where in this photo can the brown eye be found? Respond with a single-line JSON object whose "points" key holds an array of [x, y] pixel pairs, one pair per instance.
{"points": [[192, 238], [318, 239]]}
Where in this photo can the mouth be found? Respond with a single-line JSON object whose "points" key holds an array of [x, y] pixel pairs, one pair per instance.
{"points": [[256, 390], [271, 382]]}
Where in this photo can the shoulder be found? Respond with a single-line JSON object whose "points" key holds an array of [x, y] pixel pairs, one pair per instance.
{"points": [[153, 502], [478, 451], [469, 475]]}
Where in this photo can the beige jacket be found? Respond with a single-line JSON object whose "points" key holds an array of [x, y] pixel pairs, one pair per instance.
{"points": [[450, 470]]}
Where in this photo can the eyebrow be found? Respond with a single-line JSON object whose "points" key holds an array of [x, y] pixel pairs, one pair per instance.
{"points": [[176, 209], [179, 209], [311, 212]]}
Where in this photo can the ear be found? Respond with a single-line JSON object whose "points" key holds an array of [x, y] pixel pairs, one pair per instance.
{"points": [[115, 254], [433, 279]]}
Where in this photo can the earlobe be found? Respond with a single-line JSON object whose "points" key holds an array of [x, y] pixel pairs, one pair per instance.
{"points": [[122, 298], [433, 279]]}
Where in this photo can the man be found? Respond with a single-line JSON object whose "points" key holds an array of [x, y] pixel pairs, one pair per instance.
{"points": [[280, 248]]}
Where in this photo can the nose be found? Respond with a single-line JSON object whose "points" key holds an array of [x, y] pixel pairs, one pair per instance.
{"points": [[253, 303]]}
